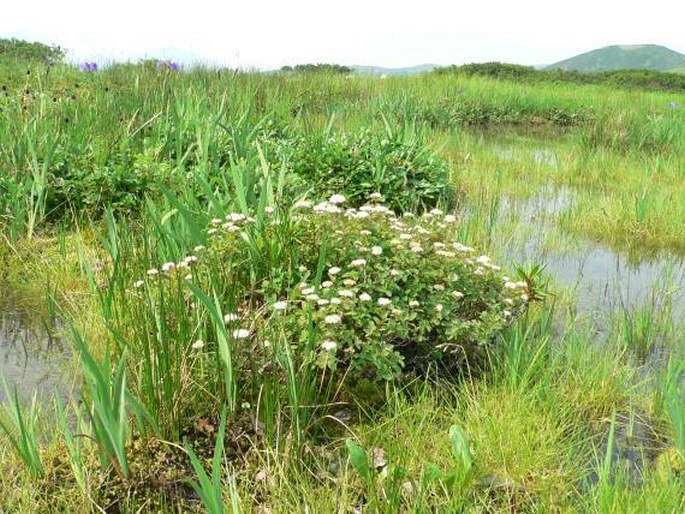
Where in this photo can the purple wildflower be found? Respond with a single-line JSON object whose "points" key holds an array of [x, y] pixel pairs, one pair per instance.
{"points": [[174, 66], [88, 66]]}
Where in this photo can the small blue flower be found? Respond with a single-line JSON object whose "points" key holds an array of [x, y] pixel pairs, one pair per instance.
{"points": [[673, 106]]}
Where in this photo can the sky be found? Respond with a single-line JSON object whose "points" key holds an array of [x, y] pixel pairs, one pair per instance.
{"points": [[268, 34]]}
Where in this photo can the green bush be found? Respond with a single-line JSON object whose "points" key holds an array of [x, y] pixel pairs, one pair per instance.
{"points": [[79, 184], [395, 163]]}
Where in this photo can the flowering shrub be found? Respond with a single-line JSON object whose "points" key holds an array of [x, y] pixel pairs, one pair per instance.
{"points": [[362, 290]]}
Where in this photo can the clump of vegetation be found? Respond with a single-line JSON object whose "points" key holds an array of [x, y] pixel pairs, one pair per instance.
{"points": [[376, 294], [336, 69], [628, 79], [18, 51], [395, 163]]}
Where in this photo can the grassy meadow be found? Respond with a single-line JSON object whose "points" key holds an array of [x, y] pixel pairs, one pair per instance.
{"points": [[324, 293]]}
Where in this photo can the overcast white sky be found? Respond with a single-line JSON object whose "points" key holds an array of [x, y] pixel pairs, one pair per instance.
{"points": [[271, 33]]}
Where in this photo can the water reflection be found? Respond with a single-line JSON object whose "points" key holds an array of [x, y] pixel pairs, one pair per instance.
{"points": [[32, 358]]}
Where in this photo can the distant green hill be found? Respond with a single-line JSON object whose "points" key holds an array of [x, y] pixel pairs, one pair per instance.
{"points": [[623, 57]]}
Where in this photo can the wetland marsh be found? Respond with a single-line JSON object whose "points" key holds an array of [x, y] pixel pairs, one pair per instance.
{"points": [[310, 293]]}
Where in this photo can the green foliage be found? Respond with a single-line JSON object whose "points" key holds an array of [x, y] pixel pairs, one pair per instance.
{"points": [[395, 164], [622, 78], [335, 69], [674, 405], [20, 428], [107, 399], [209, 488], [81, 185], [16, 50]]}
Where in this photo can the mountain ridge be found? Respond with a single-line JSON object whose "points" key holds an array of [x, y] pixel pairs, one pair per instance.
{"points": [[623, 57]]}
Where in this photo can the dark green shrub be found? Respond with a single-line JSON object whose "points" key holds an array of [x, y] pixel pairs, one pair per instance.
{"points": [[395, 164]]}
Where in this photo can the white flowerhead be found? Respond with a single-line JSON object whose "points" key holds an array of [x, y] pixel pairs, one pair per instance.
{"points": [[139, 283], [312, 297], [168, 267], [365, 232], [345, 293], [231, 317], [458, 294], [268, 210], [334, 271], [382, 301], [303, 204], [376, 250], [333, 319], [235, 216], [337, 199], [483, 259], [336, 301], [326, 284], [462, 248], [349, 282], [241, 333], [198, 248], [358, 262], [414, 303], [375, 196], [437, 212], [329, 346], [439, 287], [450, 218], [189, 276], [198, 344], [216, 221], [394, 273], [308, 290], [439, 307], [365, 297], [405, 237], [281, 306], [152, 272], [322, 302]]}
